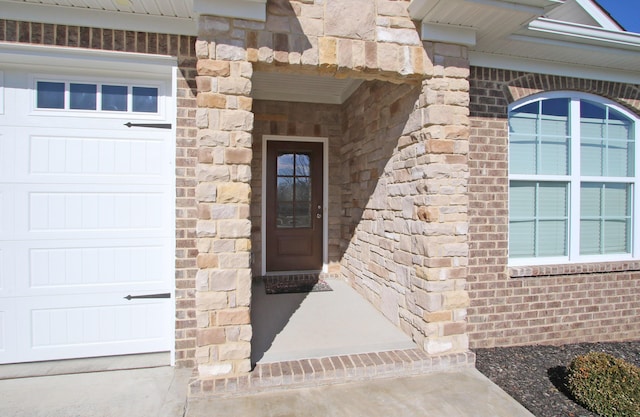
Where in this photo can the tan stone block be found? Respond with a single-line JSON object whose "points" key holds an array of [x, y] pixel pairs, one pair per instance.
{"points": [[224, 211], [222, 280], [233, 192], [353, 19], [213, 138], [213, 68], [345, 53], [231, 50], [429, 301], [234, 260], [206, 192], [437, 316], [328, 56], [234, 86], [234, 316], [441, 146], [232, 120], [234, 228], [243, 245], [234, 351], [211, 301], [246, 332], [456, 299], [243, 291], [205, 156], [238, 156], [203, 83], [371, 55], [202, 49], [211, 100], [438, 345], [245, 103], [207, 260], [212, 173], [205, 337], [205, 228]]}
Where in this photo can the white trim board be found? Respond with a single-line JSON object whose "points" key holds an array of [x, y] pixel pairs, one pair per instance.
{"points": [[480, 59], [325, 196], [76, 16], [87, 59]]}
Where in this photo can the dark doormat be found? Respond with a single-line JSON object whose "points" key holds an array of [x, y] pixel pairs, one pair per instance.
{"points": [[284, 284]]}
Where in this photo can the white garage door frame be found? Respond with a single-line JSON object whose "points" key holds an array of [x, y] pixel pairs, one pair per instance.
{"points": [[70, 63]]}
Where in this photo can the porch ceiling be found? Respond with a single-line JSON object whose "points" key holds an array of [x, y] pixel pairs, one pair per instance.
{"points": [[280, 86]]}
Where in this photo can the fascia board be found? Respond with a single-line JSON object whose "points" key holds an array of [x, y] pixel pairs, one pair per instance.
{"points": [[448, 34], [75, 16], [480, 59], [12, 53], [238, 9], [584, 34], [602, 18], [418, 9]]}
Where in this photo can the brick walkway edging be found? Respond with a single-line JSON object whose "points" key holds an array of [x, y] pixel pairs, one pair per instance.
{"points": [[307, 373]]}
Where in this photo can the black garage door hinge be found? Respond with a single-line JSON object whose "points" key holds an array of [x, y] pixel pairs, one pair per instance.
{"points": [[153, 125], [163, 295]]}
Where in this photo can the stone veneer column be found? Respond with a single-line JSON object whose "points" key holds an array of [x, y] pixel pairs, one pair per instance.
{"points": [[441, 244], [224, 121]]}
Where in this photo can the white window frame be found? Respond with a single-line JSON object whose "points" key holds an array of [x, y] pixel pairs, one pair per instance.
{"points": [[574, 179], [99, 82]]}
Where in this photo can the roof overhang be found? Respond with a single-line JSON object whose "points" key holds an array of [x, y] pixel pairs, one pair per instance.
{"points": [[239, 9], [513, 34]]}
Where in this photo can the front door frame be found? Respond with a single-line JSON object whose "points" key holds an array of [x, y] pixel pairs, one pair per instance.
{"points": [[325, 196]]}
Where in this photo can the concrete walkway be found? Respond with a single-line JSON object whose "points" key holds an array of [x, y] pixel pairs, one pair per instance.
{"points": [[465, 393], [161, 392]]}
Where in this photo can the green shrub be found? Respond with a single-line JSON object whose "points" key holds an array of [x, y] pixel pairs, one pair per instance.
{"points": [[605, 384]]}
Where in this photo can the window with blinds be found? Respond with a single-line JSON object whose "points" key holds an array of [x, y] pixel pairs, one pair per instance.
{"points": [[572, 180]]}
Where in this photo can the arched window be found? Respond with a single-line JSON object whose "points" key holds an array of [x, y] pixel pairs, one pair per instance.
{"points": [[572, 180]]}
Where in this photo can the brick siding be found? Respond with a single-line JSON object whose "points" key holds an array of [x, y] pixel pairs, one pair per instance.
{"points": [[181, 47], [534, 305]]}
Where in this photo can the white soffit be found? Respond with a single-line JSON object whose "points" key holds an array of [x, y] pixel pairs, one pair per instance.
{"points": [[156, 16], [302, 88]]}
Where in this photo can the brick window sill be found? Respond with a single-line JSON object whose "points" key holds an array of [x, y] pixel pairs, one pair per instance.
{"points": [[573, 269]]}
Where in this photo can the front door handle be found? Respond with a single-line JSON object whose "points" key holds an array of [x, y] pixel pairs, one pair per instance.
{"points": [[319, 213]]}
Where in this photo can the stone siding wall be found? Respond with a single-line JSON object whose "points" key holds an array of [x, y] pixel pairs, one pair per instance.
{"points": [[304, 120], [404, 200], [149, 43], [552, 304]]}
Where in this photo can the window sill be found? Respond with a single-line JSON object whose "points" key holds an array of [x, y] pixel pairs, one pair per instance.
{"points": [[573, 269]]}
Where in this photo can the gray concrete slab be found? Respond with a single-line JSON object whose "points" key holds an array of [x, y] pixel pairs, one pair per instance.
{"points": [[319, 324], [465, 393], [153, 392]]}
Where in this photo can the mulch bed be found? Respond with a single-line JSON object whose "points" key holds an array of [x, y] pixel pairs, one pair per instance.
{"points": [[534, 375], [284, 284]]}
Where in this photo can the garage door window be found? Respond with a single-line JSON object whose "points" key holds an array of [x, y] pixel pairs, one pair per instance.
{"points": [[96, 97]]}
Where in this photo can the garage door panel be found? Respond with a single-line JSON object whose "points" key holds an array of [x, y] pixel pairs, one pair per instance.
{"points": [[102, 211], [122, 158], [95, 212], [64, 268], [60, 267], [87, 217], [97, 325]]}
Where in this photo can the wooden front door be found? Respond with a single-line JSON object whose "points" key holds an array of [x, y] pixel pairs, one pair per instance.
{"points": [[294, 206]]}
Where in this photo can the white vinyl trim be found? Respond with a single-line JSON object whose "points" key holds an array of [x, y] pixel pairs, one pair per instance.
{"points": [[574, 179], [599, 16], [481, 59], [62, 59], [77, 16], [325, 195]]}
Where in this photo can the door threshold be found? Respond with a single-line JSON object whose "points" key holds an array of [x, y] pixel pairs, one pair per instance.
{"points": [[287, 273]]}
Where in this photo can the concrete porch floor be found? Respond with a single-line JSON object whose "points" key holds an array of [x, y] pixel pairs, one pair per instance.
{"points": [[289, 327]]}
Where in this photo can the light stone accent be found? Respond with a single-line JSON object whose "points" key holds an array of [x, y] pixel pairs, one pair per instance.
{"points": [[402, 160]]}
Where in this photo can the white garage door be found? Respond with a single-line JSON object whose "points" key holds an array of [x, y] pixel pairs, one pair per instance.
{"points": [[86, 214]]}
